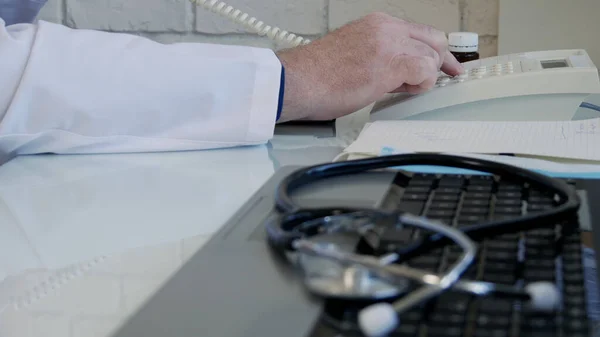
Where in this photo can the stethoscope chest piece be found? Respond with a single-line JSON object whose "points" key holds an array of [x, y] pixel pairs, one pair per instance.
{"points": [[330, 279]]}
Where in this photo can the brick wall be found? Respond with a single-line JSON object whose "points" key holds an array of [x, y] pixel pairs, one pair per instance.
{"points": [[177, 20]]}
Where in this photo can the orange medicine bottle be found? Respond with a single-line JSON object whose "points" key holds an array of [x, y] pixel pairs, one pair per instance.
{"points": [[464, 46]]}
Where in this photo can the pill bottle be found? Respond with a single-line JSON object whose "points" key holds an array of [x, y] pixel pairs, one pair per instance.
{"points": [[464, 46]]}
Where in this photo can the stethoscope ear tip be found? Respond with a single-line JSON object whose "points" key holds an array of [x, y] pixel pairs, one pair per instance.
{"points": [[545, 296], [378, 320]]}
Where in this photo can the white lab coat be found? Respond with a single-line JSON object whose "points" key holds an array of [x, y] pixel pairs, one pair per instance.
{"points": [[83, 91]]}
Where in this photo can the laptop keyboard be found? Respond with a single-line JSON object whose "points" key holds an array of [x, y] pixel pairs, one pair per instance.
{"points": [[550, 254]]}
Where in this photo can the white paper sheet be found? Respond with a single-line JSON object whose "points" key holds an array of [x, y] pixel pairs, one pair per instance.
{"points": [[561, 139]]}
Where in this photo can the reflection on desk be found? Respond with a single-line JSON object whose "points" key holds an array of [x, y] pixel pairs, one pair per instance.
{"points": [[86, 239], [145, 213]]}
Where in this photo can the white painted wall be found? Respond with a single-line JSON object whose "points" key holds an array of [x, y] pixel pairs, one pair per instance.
{"points": [[177, 20], [549, 24]]}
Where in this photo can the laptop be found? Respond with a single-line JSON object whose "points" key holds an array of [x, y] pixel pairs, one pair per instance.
{"points": [[235, 286]]}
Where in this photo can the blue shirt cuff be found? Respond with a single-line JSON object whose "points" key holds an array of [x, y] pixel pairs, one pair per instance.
{"points": [[281, 92]]}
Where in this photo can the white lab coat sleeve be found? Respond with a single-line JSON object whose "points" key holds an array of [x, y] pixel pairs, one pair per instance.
{"points": [[64, 90]]}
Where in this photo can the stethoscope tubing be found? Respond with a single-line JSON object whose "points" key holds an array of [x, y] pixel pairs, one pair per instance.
{"points": [[570, 199], [288, 232]]}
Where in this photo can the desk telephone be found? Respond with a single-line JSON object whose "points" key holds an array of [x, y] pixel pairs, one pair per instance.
{"points": [[540, 85]]}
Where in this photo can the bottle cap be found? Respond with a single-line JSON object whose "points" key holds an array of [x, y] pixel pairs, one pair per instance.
{"points": [[463, 42]]}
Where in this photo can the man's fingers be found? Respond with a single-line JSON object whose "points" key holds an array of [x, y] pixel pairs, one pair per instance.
{"points": [[451, 66], [431, 36], [415, 48], [413, 72]]}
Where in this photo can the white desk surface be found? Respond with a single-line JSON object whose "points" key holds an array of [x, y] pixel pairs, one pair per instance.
{"points": [[86, 239]]}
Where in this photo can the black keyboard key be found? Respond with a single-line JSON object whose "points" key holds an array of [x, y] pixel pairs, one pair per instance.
{"points": [[425, 261], [447, 190], [412, 207], [501, 256], [503, 194], [538, 326], [505, 216], [572, 242], [493, 321], [574, 290], [542, 253], [573, 278], [534, 193], [446, 319], [440, 331], [481, 180], [471, 219], [447, 197], [508, 236], [482, 211], [508, 203], [404, 330], [476, 203], [574, 301], [542, 232], [441, 213], [509, 187], [456, 181], [508, 210], [571, 268], [499, 278], [574, 326], [575, 312], [495, 306], [396, 236], [539, 242], [422, 197], [534, 275], [424, 176], [546, 322], [478, 195], [531, 263], [539, 207], [471, 273], [443, 205], [418, 189], [416, 182], [536, 199], [482, 332], [500, 268], [480, 188], [446, 221], [412, 317], [502, 245], [456, 303], [572, 255]]}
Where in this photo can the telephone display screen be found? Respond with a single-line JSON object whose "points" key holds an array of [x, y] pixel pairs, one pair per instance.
{"points": [[554, 64]]}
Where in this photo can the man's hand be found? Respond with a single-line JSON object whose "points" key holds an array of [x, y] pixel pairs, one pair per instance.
{"points": [[359, 63]]}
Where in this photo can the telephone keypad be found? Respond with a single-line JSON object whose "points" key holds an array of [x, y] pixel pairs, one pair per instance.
{"points": [[478, 72]]}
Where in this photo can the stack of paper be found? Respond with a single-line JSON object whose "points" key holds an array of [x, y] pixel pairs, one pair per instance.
{"points": [[559, 139]]}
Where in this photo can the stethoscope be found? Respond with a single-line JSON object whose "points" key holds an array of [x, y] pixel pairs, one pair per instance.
{"points": [[302, 235]]}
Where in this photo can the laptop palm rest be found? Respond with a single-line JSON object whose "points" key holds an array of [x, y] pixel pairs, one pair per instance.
{"points": [[235, 286]]}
